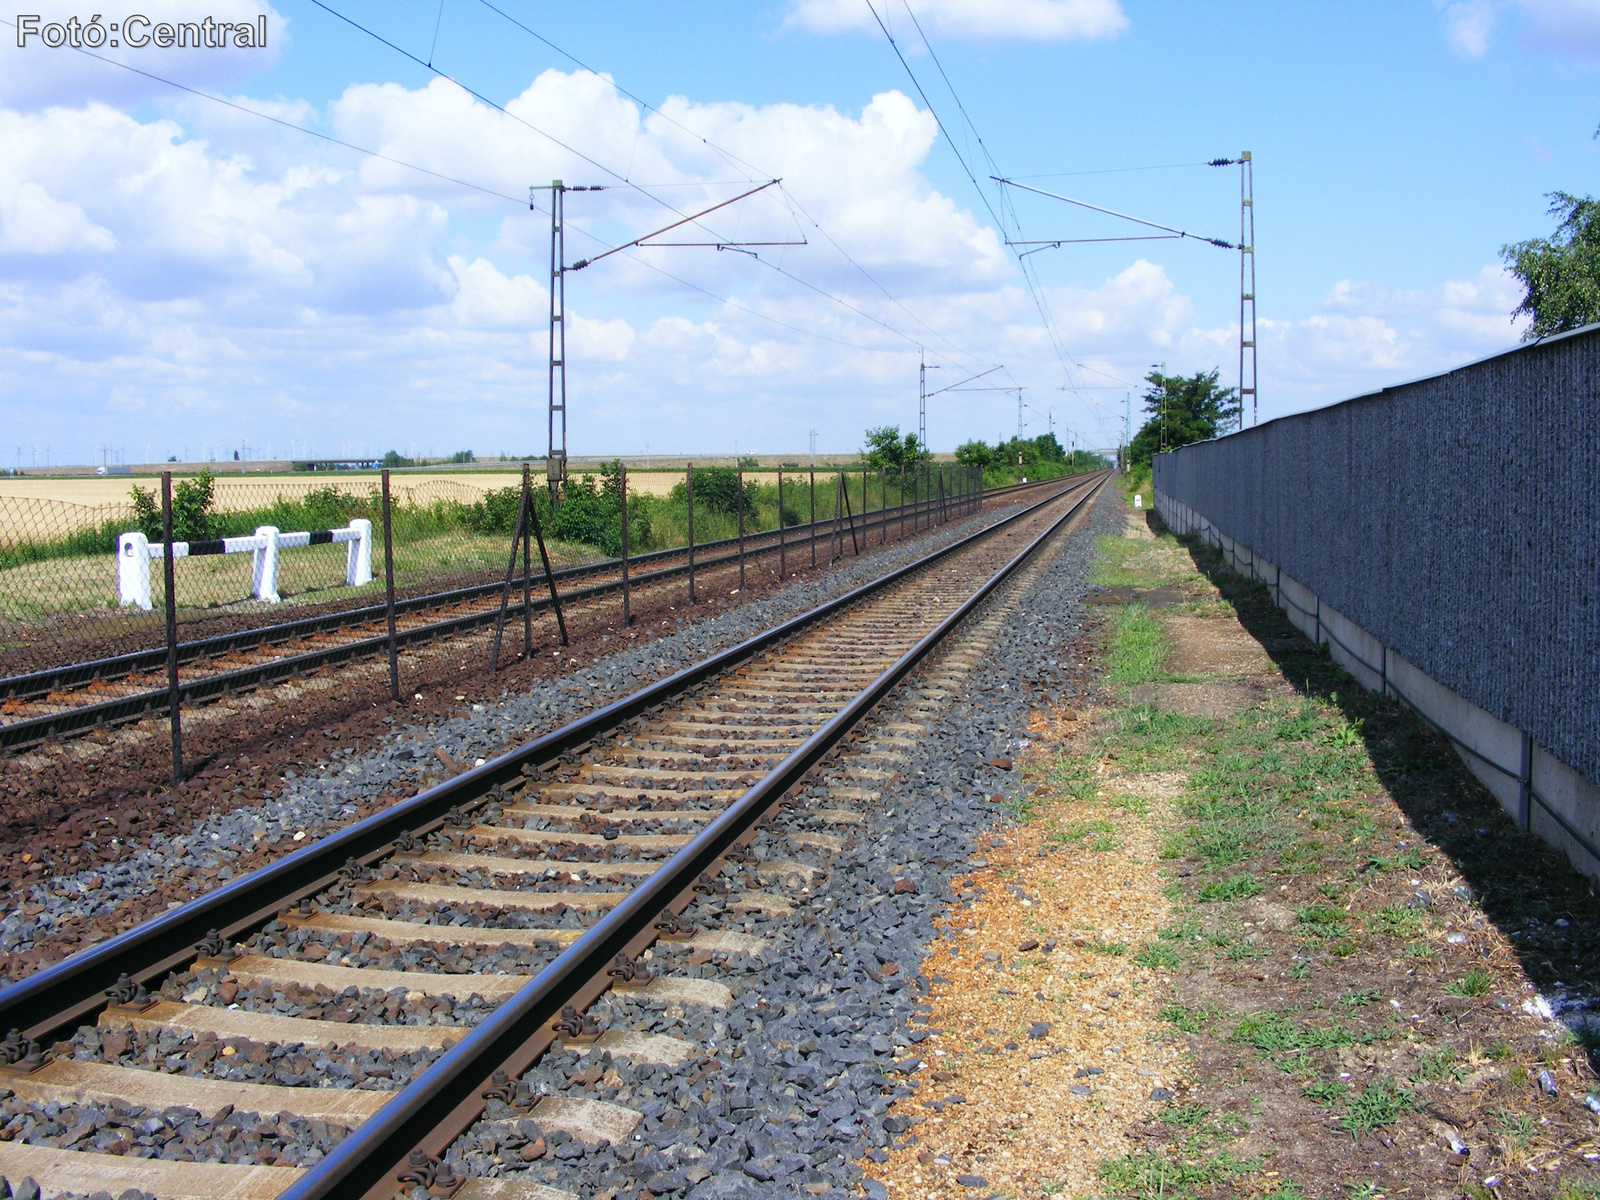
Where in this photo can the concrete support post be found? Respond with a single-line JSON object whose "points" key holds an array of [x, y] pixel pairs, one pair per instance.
{"points": [[133, 570], [264, 565], [358, 554]]}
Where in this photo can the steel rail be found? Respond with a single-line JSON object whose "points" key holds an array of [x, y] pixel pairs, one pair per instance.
{"points": [[30, 730], [443, 1101], [52, 1000], [37, 684]]}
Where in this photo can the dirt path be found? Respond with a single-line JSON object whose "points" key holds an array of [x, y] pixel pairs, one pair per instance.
{"points": [[1305, 953]]}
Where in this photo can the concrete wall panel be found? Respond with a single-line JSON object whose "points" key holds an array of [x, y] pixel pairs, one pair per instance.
{"points": [[1455, 519]]}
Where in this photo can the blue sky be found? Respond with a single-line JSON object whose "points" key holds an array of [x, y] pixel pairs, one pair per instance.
{"points": [[178, 277]]}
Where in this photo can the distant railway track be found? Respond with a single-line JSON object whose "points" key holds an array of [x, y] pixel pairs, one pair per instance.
{"points": [[530, 886], [81, 697]]}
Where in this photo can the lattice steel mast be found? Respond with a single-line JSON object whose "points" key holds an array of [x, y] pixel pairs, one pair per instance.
{"points": [[1247, 290], [556, 461], [555, 465]]}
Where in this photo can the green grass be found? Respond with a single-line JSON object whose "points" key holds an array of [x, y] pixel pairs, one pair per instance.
{"points": [[1236, 887], [1326, 1092], [1377, 1106], [1097, 834], [1322, 921], [1396, 920], [1147, 739], [1111, 948], [1360, 999], [1189, 1020], [1435, 1065], [1278, 1033], [1154, 1174], [1139, 647], [1158, 957], [1475, 982]]}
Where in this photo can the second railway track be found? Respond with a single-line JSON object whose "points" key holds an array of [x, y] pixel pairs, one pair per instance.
{"points": [[329, 1024], [83, 697]]}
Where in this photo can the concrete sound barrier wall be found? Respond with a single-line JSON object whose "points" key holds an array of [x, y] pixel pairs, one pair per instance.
{"points": [[1442, 539]]}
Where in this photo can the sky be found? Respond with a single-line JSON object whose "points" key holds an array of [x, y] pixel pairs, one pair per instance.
{"points": [[324, 247]]}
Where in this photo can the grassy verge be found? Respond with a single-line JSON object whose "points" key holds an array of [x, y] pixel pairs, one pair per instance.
{"points": [[1359, 934]]}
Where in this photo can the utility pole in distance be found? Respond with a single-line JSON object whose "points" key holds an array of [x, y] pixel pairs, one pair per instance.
{"points": [[556, 462], [1247, 285], [555, 465], [1247, 281]]}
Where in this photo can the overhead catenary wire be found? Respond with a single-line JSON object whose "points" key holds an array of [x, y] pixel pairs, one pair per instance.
{"points": [[326, 137], [733, 159], [1111, 212], [488, 191], [1035, 287], [586, 158]]}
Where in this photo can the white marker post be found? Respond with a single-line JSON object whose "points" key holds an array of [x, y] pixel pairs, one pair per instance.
{"points": [[1138, 499]]}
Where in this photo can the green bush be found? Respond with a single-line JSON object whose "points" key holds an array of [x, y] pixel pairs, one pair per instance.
{"points": [[192, 519], [717, 488]]}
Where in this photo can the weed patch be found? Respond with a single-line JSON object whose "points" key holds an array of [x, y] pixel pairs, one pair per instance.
{"points": [[1475, 982], [1238, 887], [1154, 1174], [1377, 1106], [1139, 647]]}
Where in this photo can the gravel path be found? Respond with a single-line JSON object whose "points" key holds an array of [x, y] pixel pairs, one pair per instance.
{"points": [[311, 804], [796, 1078]]}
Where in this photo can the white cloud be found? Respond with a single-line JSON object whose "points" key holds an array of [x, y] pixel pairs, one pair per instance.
{"points": [[36, 76], [1559, 28], [184, 282], [1040, 20], [1466, 25], [1564, 27]]}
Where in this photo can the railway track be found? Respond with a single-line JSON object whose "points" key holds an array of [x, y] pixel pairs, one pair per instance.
{"points": [[84, 696], [327, 1025]]}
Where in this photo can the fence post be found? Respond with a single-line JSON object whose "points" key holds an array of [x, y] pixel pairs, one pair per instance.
{"points": [[883, 503], [844, 486], [517, 532], [740, 504], [549, 575], [168, 573], [782, 565], [902, 501], [813, 517], [627, 611], [358, 554], [388, 591], [833, 530], [527, 574], [688, 476]]}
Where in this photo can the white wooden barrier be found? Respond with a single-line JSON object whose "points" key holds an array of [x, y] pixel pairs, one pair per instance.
{"points": [[135, 553]]}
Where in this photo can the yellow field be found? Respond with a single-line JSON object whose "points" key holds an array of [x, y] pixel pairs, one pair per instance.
{"points": [[66, 505]]}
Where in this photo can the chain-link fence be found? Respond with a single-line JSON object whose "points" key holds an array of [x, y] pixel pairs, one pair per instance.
{"points": [[273, 578], [66, 598]]}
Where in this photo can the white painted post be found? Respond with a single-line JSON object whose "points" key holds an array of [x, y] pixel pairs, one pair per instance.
{"points": [[1138, 499], [133, 570], [358, 554], [264, 566]]}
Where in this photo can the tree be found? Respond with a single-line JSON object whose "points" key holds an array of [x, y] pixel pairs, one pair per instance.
{"points": [[1562, 272], [976, 454], [1183, 409], [888, 451]]}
